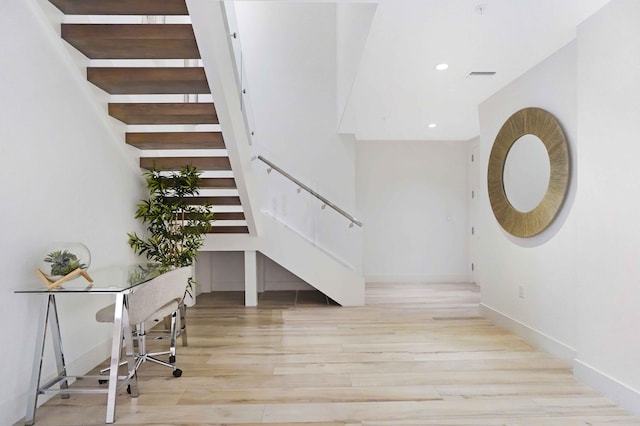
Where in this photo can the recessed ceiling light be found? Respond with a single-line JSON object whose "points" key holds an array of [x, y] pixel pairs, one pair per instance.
{"points": [[442, 67], [432, 125]]}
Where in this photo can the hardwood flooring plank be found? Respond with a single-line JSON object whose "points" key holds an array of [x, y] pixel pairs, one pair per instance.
{"points": [[397, 411], [315, 394], [419, 367], [457, 377]]}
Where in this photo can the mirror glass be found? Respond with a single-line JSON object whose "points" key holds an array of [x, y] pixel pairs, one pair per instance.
{"points": [[526, 173]]}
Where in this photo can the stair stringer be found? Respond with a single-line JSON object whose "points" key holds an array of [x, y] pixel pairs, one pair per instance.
{"points": [[213, 38], [287, 248], [300, 257]]}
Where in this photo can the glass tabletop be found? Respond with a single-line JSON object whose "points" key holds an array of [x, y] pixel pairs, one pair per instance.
{"points": [[110, 279]]}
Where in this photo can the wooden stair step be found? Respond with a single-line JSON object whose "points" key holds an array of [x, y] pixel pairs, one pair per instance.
{"points": [[133, 41], [176, 163], [164, 113], [228, 216], [215, 201], [118, 81], [121, 7], [229, 230], [218, 183], [176, 140], [222, 216]]}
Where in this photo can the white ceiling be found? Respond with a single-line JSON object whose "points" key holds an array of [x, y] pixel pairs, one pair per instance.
{"points": [[397, 91]]}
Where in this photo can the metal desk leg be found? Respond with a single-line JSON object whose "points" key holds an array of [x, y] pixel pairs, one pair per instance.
{"points": [[56, 338], [128, 343], [36, 371], [115, 357]]}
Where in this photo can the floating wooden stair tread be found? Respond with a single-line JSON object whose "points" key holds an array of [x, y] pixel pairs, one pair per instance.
{"points": [[176, 140], [133, 41], [228, 216], [176, 163], [121, 7], [229, 230], [215, 201], [164, 113], [223, 216], [151, 80], [218, 183]]}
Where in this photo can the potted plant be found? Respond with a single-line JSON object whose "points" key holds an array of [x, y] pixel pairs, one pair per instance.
{"points": [[63, 260], [175, 226]]}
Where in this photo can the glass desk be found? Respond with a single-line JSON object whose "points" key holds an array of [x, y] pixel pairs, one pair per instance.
{"points": [[116, 280]]}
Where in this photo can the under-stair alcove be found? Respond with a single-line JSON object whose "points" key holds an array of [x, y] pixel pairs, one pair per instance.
{"points": [[224, 272]]}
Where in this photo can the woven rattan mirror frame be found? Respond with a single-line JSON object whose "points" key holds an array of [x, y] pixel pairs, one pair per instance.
{"points": [[544, 125]]}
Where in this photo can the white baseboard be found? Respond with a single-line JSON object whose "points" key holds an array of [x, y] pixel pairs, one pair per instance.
{"points": [[623, 395], [529, 334], [417, 279]]}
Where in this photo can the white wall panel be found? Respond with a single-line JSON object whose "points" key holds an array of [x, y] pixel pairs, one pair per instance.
{"points": [[579, 279], [66, 177], [607, 207], [542, 266], [290, 55], [414, 198]]}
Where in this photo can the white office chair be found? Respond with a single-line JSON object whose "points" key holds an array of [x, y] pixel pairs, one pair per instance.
{"points": [[159, 298]]}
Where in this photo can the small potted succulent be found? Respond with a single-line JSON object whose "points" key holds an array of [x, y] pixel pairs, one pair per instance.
{"points": [[63, 262], [63, 258]]}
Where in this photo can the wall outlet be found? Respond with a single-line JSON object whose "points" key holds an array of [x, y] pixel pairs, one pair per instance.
{"points": [[521, 291]]}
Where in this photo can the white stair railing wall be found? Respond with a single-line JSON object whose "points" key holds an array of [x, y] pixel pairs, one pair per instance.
{"points": [[281, 197]]}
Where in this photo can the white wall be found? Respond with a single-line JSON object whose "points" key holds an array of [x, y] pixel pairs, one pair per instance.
{"points": [[607, 246], [414, 202], [353, 25], [65, 177], [580, 278], [290, 57], [508, 263]]}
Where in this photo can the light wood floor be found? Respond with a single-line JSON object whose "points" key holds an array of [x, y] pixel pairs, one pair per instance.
{"points": [[414, 355]]}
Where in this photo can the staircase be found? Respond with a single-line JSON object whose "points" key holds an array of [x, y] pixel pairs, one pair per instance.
{"points": [[156, 76], [168, 110]]}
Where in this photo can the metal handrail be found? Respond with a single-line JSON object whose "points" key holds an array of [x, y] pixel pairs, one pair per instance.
{"points": [[326, 202]]}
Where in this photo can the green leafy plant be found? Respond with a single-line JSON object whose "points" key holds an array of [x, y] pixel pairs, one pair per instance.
{"points": [[63, 262], [176, 227], [143, 273]]}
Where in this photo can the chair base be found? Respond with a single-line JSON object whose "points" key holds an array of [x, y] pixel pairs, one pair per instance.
{"points": [[144, 356]]}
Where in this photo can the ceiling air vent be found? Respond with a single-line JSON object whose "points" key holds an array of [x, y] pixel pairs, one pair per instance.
{"points": [[481, 74]]}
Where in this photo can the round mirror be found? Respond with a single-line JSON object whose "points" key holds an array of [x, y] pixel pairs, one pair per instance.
{"points": [[527, 210], [526, 173]]}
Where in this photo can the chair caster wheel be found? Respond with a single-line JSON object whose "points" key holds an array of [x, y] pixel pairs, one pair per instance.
{"points": [[172, 359], [177, 372], [102, 381], [129, 389]]}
